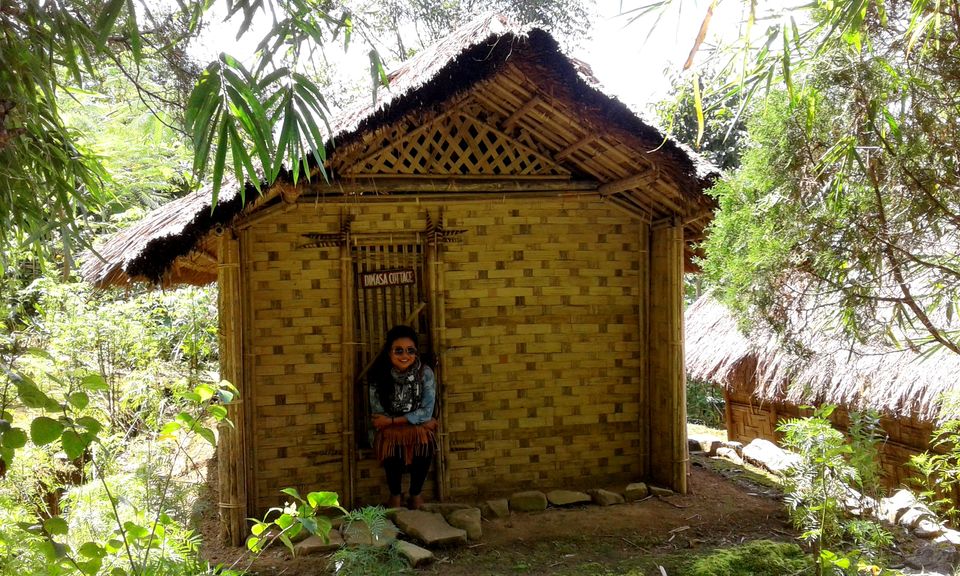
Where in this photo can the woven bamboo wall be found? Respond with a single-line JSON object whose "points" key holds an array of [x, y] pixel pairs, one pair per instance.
{"points": [[748, 418], [294, 341], [541, 357]]}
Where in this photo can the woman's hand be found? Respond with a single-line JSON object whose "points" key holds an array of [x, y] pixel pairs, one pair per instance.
{"points": [[381, 421]]}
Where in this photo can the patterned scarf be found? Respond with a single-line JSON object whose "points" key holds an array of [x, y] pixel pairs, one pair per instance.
{"points": [[407, 390]]}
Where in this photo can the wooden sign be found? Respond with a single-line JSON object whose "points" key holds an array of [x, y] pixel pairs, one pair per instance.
{"points": [[385, 278]]}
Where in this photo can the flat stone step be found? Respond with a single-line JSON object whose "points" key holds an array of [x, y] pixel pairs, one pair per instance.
{"points": [[358, 534], [414, 554], [567, 497], [317, 545], [430, 528], [528, 501]]}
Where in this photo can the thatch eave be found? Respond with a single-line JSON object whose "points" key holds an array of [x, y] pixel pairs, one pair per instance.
{"points": [[150, 249], [894, 382]]}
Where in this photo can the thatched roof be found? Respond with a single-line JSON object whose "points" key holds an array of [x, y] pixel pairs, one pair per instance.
{"points": [[163, 248], [818, 365]]}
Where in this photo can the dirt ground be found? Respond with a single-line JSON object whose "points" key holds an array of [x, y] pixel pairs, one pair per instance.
{"points": [[726, 505]]}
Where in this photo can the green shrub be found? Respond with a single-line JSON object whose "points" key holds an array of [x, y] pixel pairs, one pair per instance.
{"points": [[705, 404], [759, 558]]}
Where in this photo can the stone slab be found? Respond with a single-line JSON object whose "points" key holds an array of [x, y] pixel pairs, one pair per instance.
{"points": [[358, 534], [636, 491], [430, 528], [496, 508], [317, 545], [603, 497], [567, 497], [661, 492], [467, 519], [445, 508], [528, 501], [730, 454], [414, 554]]}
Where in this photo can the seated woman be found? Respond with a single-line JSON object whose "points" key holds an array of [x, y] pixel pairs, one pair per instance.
{"points": [[402, 393]]}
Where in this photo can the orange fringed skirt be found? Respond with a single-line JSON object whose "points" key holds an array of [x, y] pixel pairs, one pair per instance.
{"points": [[411, 440]]}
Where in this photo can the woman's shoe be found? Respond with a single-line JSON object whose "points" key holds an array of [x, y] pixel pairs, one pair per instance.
{"points": [[393, 502]]}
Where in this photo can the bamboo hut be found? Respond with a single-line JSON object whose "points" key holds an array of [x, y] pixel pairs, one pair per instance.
{"points": [[533, 230], [767, 377]]}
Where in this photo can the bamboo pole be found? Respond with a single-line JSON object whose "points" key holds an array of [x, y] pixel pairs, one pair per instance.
{"points": [[667, 390], [418, 184], [643, 315], [246, 376], [347, 362], [231, 458], [728, 414], [435, 294]]}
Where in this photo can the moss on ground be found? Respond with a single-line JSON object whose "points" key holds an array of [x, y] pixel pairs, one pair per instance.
{"points": [[759, 558]]}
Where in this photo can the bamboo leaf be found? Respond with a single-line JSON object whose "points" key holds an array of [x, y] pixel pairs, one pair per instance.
{"points": [[698, 107], [133, 30], [701, 34], [108, 19], [218, 163], [787, 77]]}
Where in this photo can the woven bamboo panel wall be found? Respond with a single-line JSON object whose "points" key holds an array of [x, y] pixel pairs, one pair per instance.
{"points": [[541, 364], [294, 338], [543, 361], [905, 436]]}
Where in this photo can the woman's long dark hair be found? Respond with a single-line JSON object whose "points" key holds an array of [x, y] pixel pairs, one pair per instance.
{"points": [[380, 372]]}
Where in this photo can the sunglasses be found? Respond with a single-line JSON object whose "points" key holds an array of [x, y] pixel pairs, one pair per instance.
{"points": [[398, 351]]}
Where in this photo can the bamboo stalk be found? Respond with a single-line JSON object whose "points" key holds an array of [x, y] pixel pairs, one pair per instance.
{"points": [[643, 315], [667, 377], [347, 362], [230, 446], [435, 292], [246, 376]]}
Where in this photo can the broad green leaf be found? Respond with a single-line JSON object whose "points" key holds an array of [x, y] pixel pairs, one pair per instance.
{"points": [[55, 525], [31, 396], [292, 492], [284, 521], [208, 435], [91, 424], [323, 499], [92, 550], [309, 524], [217, 411], [90, 567], [14, 438], [73, 444], [135, 530], [45, 430], [258, 528], [94, 383], [40, 353], [287, 542], [253, 544], [204, 391], [79, 400]]}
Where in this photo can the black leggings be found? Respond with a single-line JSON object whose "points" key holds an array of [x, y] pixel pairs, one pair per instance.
{"points": [[395, 467]]}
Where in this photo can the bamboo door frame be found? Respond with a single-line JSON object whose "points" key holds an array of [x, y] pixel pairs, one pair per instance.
{"points": [[433, 291]]}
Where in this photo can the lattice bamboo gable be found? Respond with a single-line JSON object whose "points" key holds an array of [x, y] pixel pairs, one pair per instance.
{"points": [[458, 143]]}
